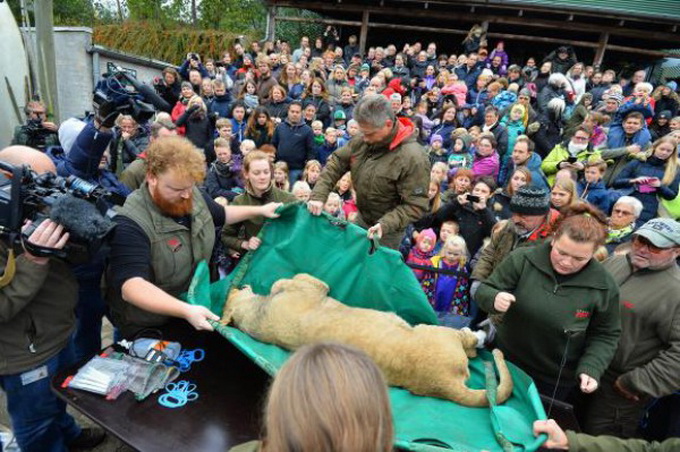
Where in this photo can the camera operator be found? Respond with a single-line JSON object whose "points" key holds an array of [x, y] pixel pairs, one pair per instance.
{"points": [[37, 320], [169, 86], [193, 63], [37, 132]]}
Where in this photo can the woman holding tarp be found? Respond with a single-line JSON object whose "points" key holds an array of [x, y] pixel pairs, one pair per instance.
{"points": [[560, 309]]}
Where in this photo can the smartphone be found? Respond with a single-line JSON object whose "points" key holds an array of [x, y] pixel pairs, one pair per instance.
{"points": [[571, 159], [473, 198]]}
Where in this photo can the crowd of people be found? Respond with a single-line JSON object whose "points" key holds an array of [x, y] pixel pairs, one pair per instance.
{"points": [[542, 194]]}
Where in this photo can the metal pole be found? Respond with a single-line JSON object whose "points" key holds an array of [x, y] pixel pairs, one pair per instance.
{"points": [[47, 68]]}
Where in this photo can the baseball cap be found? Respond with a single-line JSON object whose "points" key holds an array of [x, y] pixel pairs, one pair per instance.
{"points": [[662, 232]]}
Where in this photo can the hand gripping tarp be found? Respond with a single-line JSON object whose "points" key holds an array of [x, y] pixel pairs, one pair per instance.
{"points": [[361, 273]]}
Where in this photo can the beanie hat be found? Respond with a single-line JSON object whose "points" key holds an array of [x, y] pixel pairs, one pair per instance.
{"points": [[395, 97], [615, 96], [436, 137], [672, 85], [365, 67], [427, 233], [530, 201], [68, 133], [666, 114], [525, 92], [339, 115]]}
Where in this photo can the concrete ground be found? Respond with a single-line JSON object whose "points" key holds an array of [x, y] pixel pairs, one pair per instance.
{"points": [[111, 444]]}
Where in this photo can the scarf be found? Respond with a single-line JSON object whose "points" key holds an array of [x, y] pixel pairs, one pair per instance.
{"points": [[615, 235]]}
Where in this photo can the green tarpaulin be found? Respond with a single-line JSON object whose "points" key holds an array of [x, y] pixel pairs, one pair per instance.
{"points": [[362, 274]]}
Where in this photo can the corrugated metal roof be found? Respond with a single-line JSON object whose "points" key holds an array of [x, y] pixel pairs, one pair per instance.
{"points": [[668, 9]]}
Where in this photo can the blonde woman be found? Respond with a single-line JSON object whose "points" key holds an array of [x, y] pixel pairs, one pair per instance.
{"points": [[563, 194], [326, 397], [655, 178]]}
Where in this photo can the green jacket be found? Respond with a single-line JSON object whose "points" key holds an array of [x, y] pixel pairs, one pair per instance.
{"points": [[390, 178], [135, 174], [546, 312], [175, 252], [579, 442], [560, 154], [648, 356], [234, 234], [37, 314]]}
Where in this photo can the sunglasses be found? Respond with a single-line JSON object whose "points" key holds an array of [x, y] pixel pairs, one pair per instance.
{"points": [[641, 241]]}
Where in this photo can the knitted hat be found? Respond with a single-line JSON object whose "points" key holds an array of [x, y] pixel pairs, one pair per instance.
{"points": [[436, 137], [672, 85], [429, 233], [615, 96], [525, 92], [339, 115], [666, 114], [365, 67], [530, 201]]}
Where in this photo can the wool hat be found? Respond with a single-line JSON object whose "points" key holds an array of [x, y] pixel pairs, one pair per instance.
{"points": [[662, 232], [525, 92], [436, 137], [427, 233], [530, 201], [666, 114], [672, 85], [339, 115], [365, 67], [615, 96]]}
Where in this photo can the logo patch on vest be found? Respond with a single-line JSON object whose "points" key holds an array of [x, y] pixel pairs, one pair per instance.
{"points": [[174, 244], [581, 314]]}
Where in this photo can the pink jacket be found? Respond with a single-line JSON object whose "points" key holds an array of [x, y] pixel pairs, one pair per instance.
{"points": [[458, 90], [486, 166]]}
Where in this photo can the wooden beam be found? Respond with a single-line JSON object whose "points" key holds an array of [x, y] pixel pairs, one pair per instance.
{"points": [[363, 35], [509, 36], [351, 23], [601, 47], [271, 23], [464, 17]]}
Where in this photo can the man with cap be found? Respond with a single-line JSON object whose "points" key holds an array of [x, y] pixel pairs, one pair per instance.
{"points": [[531, 222], [647, 361]]}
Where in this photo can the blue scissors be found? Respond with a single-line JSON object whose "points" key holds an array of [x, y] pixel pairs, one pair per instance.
{"points": [[179, 394]]}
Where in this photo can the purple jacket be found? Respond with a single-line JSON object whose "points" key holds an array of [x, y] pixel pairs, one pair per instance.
{"points": [[486, 166]]}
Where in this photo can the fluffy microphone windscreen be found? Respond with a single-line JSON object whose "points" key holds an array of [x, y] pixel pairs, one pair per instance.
{"points": [[80, 218]]}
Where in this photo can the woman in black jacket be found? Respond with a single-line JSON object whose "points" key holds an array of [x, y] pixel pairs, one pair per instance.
{"points": [[260, 127], [200, 127]]}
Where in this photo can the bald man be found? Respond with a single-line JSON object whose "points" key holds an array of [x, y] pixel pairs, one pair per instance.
{"points": [[38, 296]]}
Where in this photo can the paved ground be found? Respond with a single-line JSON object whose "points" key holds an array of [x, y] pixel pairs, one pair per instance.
{"points": [[111, 444]]}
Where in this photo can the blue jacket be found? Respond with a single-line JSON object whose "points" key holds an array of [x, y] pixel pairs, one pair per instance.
{"points": [[444, 129], [617, 136], [469, 76], [83, 160], [294, 144], [653, 167], [596, 194], [184, 70], [221, 105], [538, 179], [324, 151]]}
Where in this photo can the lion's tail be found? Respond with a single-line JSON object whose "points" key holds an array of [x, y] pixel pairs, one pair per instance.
{"points": [[463, 395]]}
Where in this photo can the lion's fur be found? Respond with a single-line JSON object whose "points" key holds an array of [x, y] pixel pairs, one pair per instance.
{"points": [[427, 360]]}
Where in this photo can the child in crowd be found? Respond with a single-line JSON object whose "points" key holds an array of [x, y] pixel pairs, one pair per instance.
{"points": [[339, 120], [311, 173], [447, 229], [246, 147], [592, 188], [333, 206], [329, 145], [451, 295], [344, 187], [438, 174], [281, 176], [223, 178], [301, 191], [421, 255], [436, 151], [351, 132], [460, 155], [319, 138]]}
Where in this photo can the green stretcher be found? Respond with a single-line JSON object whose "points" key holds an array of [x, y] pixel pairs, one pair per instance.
{"points": [[361, 273]]}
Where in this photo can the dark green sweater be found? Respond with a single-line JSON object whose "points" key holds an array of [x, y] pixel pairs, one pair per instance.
{"points": [[534, 332]]}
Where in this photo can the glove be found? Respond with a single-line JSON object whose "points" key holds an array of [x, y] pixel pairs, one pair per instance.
{"points": [[107, 113], [533, 127]]}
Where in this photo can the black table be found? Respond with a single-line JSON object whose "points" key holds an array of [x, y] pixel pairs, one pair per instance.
{"points": [[227, 412]]}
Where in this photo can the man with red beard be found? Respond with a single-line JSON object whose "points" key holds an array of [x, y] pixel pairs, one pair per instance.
{"points": [[164, 230]]}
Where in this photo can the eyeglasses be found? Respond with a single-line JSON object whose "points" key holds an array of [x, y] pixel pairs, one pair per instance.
{"points": [[622, 212], [641, 241]]}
